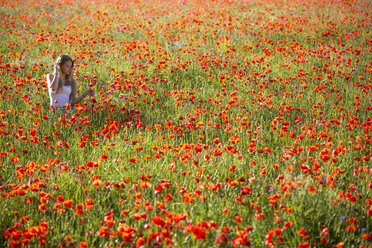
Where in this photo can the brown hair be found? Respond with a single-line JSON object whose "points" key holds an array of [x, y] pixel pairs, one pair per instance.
{"points": [[61, 60]]}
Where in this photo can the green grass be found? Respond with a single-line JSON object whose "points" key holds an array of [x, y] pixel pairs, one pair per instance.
{"points": [[202, 101]]}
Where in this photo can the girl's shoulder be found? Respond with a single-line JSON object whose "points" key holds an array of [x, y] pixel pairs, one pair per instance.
{"points": [[73, 82]]}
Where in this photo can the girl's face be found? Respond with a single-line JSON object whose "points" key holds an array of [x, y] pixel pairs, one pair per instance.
{"points": [[66, 68]]}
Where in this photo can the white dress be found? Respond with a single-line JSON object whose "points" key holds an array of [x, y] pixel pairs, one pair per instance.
{"points": [[60, 99]]}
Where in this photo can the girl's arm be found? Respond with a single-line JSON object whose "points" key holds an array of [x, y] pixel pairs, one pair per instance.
{"points": [[53, 82], [73, 98], [53, 79]]}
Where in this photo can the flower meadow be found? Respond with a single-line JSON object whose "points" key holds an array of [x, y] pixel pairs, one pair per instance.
{"points": [[224, 123]]}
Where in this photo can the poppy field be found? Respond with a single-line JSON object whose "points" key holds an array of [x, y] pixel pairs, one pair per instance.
{"points": [[217, 123]]}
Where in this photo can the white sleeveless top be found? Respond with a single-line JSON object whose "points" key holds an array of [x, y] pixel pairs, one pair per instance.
{"points": [[60, 99]]}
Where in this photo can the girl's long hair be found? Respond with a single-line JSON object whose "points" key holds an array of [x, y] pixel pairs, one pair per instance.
{"points": [[61, 60]]}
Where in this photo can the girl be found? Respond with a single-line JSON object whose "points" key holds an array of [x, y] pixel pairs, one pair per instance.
{"points": [[62, 86]]}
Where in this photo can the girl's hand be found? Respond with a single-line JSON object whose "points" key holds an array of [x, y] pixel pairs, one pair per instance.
{"points": [[90, 92], [56, 69]]}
